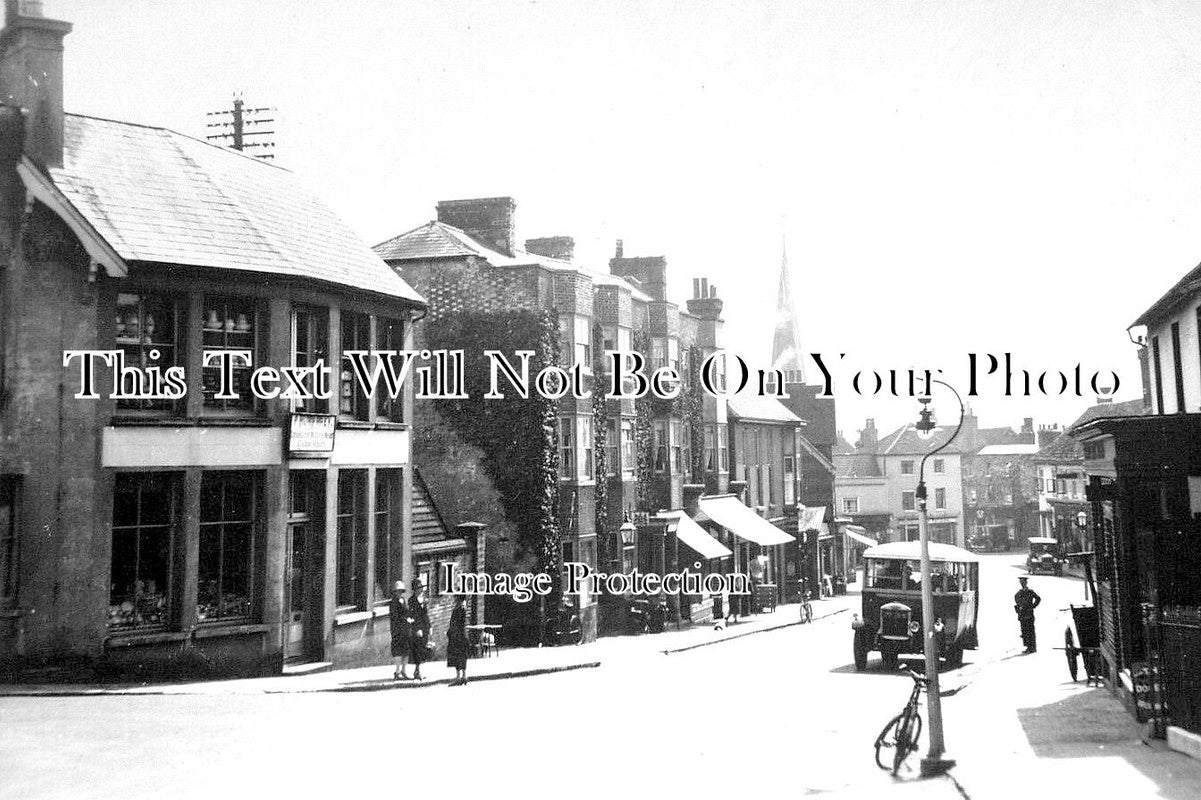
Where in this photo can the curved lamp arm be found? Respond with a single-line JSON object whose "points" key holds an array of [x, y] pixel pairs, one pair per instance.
{"points": [[921, 472]]}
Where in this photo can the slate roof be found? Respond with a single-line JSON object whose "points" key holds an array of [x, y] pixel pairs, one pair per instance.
{"points": [[857, 465], [159, 196], [1185, 288], [1062, 448], [1128, 408], [1066, 448], [842, 446], [435, 240], [765, 409]]}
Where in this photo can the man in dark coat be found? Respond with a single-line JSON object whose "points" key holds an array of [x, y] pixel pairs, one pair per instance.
{"points": [[401, 625], [456, 642], [419, 642], [1024, 603]]}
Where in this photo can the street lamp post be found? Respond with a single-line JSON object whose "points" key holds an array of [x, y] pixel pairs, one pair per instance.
{"points": [[935, 762]]}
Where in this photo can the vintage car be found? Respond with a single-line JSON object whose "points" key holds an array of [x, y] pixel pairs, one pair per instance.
{"points": [[1044, 556], [891, 616]]}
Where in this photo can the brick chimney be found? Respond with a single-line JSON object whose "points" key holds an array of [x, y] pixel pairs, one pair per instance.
{"points": [[971, 431], [1026, 435], [488, 220], [650, 271], [31, 76], [1047, 434], [561, 247], [704, 302], [869, 438]]}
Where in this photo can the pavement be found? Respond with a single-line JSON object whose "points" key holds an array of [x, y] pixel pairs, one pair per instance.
{"points": [[505, 664]]}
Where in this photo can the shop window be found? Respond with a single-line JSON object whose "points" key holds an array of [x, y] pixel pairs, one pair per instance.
{"points": [[147, 332], [227, 513], [629, 462], [8, 540], [352, 539], [229, 324], [310, 345], [389, 335], [387, 498], [145, 512], [352, 400]]}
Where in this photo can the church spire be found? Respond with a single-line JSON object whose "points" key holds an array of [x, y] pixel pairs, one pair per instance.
{"points": [[786, 344]]}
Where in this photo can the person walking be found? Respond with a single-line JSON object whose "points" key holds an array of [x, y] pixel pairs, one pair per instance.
{"points": [[402, 630], [457, 646], [419, 620], [1024, 603]]}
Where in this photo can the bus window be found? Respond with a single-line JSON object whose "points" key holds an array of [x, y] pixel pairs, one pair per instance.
{"points": [[883, 574]]}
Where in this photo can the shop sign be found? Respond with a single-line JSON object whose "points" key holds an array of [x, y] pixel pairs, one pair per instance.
{"points": [[311, 435]]}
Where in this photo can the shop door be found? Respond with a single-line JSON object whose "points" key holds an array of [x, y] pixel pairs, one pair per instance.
{"points": [[304, 566]]}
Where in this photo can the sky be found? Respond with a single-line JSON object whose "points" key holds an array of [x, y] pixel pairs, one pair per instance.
{"points": [[997, 177]]}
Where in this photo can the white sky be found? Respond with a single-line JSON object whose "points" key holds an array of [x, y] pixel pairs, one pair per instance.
{"points": [[1017, 176]]}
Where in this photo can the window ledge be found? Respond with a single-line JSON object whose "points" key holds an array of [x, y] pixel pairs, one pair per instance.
{"points": [[352, 617], [136, 639], [214, 631], [379, 425], [180, 422]]}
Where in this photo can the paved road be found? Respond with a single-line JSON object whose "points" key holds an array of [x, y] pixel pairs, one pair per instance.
{"points": [[783, 710]]}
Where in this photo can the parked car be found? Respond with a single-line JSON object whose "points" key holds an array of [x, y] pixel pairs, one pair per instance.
{"points": [[1045, 556], [891, 614]]}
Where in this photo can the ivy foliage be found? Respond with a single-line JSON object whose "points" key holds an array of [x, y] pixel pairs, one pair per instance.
{"points": [[600, 427], [518, 436]]}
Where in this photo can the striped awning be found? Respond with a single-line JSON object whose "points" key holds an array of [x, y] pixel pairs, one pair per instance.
{"points": [[693, 535], [730, 513]]}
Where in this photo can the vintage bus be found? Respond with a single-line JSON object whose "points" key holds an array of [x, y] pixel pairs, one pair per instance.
{"points": [[891, 616]]}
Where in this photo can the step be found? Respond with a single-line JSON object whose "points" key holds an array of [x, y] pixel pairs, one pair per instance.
{"points": [[307, 668]]}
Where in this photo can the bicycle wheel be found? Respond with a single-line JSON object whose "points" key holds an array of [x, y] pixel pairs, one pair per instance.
{"points": [[906, 741], [887, 739]]}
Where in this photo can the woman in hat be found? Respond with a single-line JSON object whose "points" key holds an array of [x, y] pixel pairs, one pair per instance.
{"points": [[402, 630], [419, 619], [456, 642]]}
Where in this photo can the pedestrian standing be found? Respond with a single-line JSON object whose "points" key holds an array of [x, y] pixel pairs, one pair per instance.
{"points": [[456, 642], [419, 619], [402, 630], [1024, 603]]}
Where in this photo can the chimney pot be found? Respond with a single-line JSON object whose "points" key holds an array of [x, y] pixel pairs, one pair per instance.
{"points": [[620, 249], [696, 288], [713, 290], [489, 220]]}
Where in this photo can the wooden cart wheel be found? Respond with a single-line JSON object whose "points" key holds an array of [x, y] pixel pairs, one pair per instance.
{"points": [[1069, 649]]}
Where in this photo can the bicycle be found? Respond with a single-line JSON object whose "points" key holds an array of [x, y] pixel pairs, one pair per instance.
{"points": [[902, 731], [806, 609]]}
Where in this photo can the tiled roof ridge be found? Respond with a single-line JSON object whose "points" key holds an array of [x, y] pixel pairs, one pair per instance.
{"points": [[164, 129], [896, 438]]}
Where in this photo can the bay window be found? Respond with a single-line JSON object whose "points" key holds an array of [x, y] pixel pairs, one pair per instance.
{"points": [[310, 345], [661, 445], [352, 400], [587, 468], [629, 461], [566, 448], [677, 434], [145, 513], [147, 333], [229, 324], [389, 335]]}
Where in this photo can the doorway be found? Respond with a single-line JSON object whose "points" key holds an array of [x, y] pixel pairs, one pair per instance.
{"points": [[305, 565]]}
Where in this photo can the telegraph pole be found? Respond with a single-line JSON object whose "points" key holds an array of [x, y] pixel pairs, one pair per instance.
{"points": [[244, 129]]}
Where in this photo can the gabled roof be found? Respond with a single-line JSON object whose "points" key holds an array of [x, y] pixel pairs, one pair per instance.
{"points": [[158, 196], [1062, 448], [842, 446], [1127, 408], [906, 441], [761, 409], [435, 240]]}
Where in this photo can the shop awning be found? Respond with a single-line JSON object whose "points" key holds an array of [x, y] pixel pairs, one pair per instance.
{"points": [[811, 518], [859, 534], [693, 535], [729, 512]]}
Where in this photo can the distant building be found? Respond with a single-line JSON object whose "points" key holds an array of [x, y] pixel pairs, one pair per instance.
{"points": [[1000, 492]]}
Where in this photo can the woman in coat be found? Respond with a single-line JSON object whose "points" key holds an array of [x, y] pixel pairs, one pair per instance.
{"points": [[456, 642], [401, 627], [419, 617]]}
